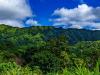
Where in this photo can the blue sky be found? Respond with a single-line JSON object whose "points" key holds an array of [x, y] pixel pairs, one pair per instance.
{"points": [[44, 8], [81, 14]]}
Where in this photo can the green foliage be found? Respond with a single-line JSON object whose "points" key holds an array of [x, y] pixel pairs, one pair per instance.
{"points": [[48, 50], [46, 61], [13, 69], [88, 51]]}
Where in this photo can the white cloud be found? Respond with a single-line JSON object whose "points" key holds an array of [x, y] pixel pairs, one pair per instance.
{"points": [[13, 23], [13, 12], [80, 17], [32, 22]]}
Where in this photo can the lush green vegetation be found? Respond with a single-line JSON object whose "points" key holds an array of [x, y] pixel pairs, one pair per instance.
{"points": [[13, 69], [49, 51]]}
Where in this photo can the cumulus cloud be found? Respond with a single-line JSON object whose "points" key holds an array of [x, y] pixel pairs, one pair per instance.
{"points": [[13, 12], [12, 22], [32, 22], [80, 17]]}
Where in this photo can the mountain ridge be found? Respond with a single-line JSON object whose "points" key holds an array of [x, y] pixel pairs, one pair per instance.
{"points": [[49, 32]]}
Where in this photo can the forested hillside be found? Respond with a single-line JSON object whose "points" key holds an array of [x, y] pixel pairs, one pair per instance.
{"points": [[49, 32], [45, 50]]}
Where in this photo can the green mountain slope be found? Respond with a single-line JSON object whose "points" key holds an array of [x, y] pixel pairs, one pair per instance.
{"points": [[47, 49], [73, 35]]}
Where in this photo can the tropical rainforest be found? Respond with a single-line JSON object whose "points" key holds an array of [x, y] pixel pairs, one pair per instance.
{"points": [[46, 50]]}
